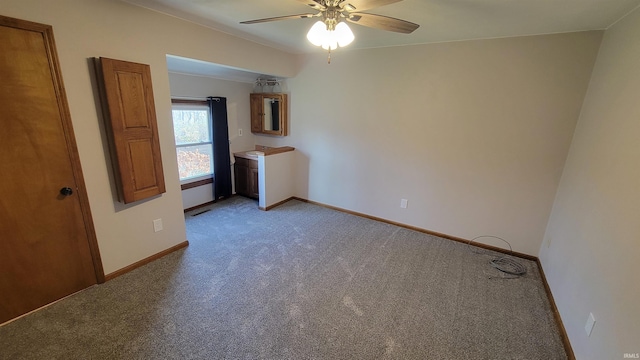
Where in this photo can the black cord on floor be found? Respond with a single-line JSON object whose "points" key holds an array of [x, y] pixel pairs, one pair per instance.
{"points": [[504, 263]]}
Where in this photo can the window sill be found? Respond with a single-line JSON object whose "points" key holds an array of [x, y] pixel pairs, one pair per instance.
{"points": [[196, 183]]}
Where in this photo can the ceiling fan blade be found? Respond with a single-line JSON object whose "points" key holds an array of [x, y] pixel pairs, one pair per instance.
{"points": [[362, 5], [298, 16], [383, 22], [316, 4]]}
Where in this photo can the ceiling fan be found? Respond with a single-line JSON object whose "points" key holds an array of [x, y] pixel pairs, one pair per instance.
{"points": [[331, 31]]}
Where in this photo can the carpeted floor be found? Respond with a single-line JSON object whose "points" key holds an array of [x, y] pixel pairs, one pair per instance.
{"points": [[299, 282]]}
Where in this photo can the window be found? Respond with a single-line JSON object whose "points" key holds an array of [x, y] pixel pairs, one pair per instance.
{"points": [[192, 130]]}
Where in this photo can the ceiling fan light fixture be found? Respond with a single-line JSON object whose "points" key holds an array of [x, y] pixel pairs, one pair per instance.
{"points": [[330, 45], [332, 31], [344, 34], [319, 35]]}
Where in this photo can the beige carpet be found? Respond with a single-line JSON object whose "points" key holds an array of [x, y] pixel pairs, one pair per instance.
{"points": [[299, 282]]}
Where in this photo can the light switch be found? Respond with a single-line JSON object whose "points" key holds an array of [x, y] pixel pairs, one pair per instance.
{"points": [[157, 225], [588, 327]]}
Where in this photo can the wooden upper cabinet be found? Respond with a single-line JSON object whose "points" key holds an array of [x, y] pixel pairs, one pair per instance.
{"points": [[130, 118], [269, 114]]}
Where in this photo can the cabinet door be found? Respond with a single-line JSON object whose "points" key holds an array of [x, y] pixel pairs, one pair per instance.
{"points": [[256, 113], [253, 183], [242, 178]]}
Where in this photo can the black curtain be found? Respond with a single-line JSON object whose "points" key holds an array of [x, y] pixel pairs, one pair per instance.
{"points": [[221, 156]]}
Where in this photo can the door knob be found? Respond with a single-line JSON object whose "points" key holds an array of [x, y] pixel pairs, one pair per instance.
{"points": [[66, 191]]}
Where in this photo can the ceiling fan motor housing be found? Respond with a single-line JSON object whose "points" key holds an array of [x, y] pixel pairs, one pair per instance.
{"points": [[331, 17]]}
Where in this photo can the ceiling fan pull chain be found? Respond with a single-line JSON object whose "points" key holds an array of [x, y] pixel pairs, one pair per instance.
{"points": [[329, 56]]}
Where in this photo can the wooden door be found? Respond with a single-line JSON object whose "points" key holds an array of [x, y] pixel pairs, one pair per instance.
{"points": [[48, 248]]}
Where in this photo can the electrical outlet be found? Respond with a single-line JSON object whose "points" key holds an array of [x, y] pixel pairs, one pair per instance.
{"points": [[404, 203], [548, 241], [588, 327], [157, 225], [239, 132]]}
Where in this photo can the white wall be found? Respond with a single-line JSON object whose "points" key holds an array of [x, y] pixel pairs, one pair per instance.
{"points": [[592, 258], [198, 195], [276, 178], [91, 28], [238, 106], [238, 117], [474, 134]]}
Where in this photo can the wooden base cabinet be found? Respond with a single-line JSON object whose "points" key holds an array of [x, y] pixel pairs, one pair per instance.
{"points": [[246, 174]]}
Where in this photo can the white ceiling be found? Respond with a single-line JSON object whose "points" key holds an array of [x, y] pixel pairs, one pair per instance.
{"points": [[439, 20]]}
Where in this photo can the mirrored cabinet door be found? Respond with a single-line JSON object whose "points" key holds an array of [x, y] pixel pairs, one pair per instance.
{"points": [[269, 114]]}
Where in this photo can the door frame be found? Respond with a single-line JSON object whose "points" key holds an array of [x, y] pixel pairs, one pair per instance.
{"points": [[65, 116]]}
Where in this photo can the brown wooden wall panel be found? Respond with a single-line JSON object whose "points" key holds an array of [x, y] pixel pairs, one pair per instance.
{"points": [[134, 111], [130, 118], [144, 174]]}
